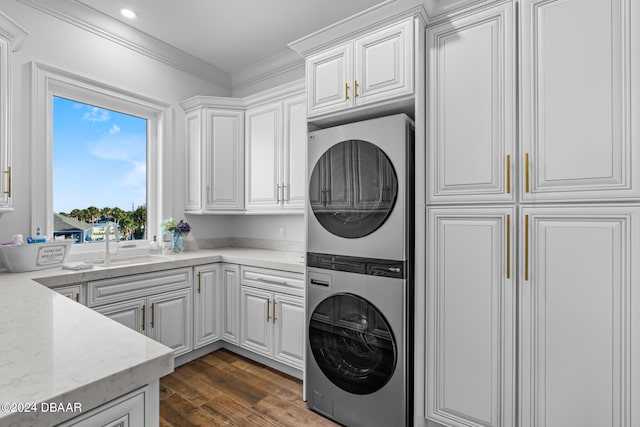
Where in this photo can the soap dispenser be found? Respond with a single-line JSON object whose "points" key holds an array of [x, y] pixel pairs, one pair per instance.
{"points": [[154, 246]]}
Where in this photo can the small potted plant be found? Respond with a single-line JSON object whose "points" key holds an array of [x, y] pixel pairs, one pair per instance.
{"points": [[177, 230]]}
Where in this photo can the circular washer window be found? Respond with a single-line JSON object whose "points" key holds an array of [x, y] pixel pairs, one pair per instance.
{"points": [[352, 343], [353, 189]]}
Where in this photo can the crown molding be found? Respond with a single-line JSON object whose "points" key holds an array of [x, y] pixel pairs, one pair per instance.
{"points": [[12, 31], [199, 101], [441, 10], [278, 64], [91, 20], [378, 16]]}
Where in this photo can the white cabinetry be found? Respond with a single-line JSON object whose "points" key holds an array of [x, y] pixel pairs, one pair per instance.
{"points": [[74, 292], [471, 317], [579, 85], [157, 304], [127, 411], [206, 305], [272, 315], [230, 282], [215, 154], [276, 138], [370, 69], [471, 122], [11, 37], [578, 307]]}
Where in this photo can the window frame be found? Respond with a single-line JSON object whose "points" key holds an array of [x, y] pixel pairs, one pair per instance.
{"points": [[48, 82]]}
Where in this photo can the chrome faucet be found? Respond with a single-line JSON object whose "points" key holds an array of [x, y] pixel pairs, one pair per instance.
{"points": [[116, 232]]}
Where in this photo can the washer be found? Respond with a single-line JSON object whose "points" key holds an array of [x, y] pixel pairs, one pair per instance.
{"points": [[360, 272]]}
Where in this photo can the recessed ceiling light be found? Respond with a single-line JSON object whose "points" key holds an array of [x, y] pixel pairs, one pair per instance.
{"points": [[128, 13]]}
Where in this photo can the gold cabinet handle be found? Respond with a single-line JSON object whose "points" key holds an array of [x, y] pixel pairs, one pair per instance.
{"points": [[526, 247], [508, 246], [268, 308], [77, 298], [8, 172], [283, 193], [508, 173], [274, 311], [278, 194], [143, 316], [346, 91], [153, 313], [199, 281], [355, 88], [526, 168]]}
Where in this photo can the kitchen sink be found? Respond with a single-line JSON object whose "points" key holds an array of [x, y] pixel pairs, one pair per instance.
{"points": [[118, 261]]}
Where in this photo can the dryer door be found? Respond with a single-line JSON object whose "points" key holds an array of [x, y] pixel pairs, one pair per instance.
{"points": [[353, 188], [352, 343]]}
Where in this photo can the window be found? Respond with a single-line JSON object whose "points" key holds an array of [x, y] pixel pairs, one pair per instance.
{"points": [[99, 172], [56, 90]]}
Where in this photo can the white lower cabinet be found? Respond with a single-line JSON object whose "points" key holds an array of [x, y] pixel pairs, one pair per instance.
{"points": [[74, 292], [272, 315], [206, 305], [230, 281], [157, 304], [126, 411], [579, 312], [471, 317]]}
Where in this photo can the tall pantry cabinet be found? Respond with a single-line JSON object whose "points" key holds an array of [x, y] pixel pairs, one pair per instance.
{"points": [[533, 286]]}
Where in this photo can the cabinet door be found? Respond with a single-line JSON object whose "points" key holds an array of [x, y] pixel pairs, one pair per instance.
{"points": [[263, 135], [256, 318], [206, 305], [470, 370], [130, 313], [224, 159], [471, 120], [288, 321], [73, 292], [294, 153], [170, 320], [126, 411], [579, 88], [330, 80], [579, 306], [193, 164], [384, 64], [230, 281]]}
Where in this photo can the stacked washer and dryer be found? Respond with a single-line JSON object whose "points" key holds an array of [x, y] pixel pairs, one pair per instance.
{"points": [[360, 272]]}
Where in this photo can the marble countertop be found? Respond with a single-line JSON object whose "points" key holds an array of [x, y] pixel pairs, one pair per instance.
{"points": [[57, 351]]}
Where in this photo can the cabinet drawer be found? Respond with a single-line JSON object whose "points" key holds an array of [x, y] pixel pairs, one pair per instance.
{"points": [[277, 280], [139, 285]]}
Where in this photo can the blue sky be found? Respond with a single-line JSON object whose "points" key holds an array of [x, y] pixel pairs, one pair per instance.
{"points": [[99, 157]]}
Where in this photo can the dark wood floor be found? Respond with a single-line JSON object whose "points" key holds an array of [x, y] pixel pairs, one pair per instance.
{"points": [[224, 389]]}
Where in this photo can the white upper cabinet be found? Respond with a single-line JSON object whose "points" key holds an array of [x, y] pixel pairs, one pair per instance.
{"points": [[373, 68], [471, 116], [275, 147], [214, 155], [580, 83], [11, 38]]}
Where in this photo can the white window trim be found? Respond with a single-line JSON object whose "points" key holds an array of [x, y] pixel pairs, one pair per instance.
{"points": [[48, 82]]}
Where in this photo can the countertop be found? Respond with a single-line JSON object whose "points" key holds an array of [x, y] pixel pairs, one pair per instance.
{"points": [[55, 350]]}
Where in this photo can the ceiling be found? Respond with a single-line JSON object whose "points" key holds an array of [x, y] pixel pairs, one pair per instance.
{"points": [[230, 34]]}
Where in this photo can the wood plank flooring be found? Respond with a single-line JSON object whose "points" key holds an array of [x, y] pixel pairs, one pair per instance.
{"points": [[224, 389]]}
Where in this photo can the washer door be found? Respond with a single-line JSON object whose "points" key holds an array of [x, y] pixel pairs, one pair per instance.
{"points": [[353, 188], [352, 343]]}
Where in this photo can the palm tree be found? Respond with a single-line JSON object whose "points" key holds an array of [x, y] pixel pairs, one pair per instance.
{"points": [[76, 213], [127, 225], [140, 218], [93, 213], [117, 215], [106, 213]]}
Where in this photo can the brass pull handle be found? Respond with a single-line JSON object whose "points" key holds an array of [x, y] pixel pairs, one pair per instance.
{"points": [[198, 281], [143, 316], [153, 313], [283, 193], [355, 88], [278, 194], [508, 246], [268, 308], [8, 172], [346, 91], [526, 168], [77, 298], [508, 173], [526, 247], [274, 311]]}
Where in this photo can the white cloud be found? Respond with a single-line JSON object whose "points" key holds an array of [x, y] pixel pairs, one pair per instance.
{"points": [[96, 114], [126, 149], [114, 129], [136, 177]]}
